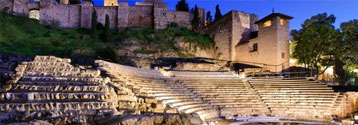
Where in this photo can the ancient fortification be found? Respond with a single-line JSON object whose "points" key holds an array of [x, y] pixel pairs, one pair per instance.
{"points": [[239, 37], [48, 89], [153, 14]]}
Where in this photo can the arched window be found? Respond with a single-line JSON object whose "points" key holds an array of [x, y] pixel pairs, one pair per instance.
{"points": [[34, 14]]}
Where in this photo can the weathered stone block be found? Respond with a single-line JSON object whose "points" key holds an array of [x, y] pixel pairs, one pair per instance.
{"points": [[150, 100]]}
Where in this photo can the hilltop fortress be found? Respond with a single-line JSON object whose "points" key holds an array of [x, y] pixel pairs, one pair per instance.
{"points": [[150, 13], [239, 37]]}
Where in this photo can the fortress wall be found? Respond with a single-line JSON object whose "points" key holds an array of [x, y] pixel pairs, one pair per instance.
{"points": [[74, 16], [123, 15], [47, 12], [8, 4], [61, 15], [86, 14], [180, 17], [140, 16], [33, 6], [20, 7], [201, 16], [66, 16], [111, 11], [155, 15], [241, 30], [160, 16], [221, 32]]}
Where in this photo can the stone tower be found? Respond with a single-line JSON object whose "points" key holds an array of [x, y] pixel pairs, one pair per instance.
{"points": [[110, 3], [270, 45]]}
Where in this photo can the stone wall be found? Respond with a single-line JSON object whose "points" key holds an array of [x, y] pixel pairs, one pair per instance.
{"points": [[227, 32], [180, 17], [348, 106], [111, 12], [51, 89], [140, 16], [152, 14], [6, 5]]}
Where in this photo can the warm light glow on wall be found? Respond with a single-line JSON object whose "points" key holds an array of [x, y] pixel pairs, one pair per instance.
{"points": [[329, 70], [282, 21], [242, 75], [267, 23]]}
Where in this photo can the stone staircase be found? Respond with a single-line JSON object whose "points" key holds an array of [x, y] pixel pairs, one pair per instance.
{"points": [[219, 94], [297, 98], [52, 89], [229, 96], [151, 83]]}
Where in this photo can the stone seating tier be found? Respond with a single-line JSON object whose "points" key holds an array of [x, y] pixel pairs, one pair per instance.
{"points": [[50, 85], [217, 94]]}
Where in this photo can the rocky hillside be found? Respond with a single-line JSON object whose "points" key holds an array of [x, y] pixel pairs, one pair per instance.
{"points": [[24, 36]]}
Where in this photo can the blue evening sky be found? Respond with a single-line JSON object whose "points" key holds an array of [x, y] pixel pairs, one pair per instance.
{"points": [[344, 10]]}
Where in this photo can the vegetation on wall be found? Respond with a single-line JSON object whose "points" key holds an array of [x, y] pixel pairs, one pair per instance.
{"points": [[162, 40], [21, 35], [94, 21], [209, 18], [106, 30], [195, 22], [182, 5], [218, 14]]}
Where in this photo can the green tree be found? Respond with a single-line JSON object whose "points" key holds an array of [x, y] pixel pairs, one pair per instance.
{"points": [[75, 2], [209, 18], [218, 14], [318, 43], [94, 21], [182, 6], [106, 29], [350, 36], [107, 53], [196, 18]]}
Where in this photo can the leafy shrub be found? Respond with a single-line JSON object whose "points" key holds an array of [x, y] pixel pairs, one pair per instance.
{"points": [[107, 53], [175, 25]]}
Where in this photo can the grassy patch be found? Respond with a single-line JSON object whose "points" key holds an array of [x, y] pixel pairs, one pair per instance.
{"points": [[21, 35]]}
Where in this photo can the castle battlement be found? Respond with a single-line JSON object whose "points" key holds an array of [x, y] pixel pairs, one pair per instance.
{"points": [[150, 13], [238, 36]]}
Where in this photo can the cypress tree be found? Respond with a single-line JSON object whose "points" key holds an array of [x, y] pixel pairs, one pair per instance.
{"points": [[209, 18], [182, 6], [74, 2], [94, 21], [106, 29], [218, 14], [196, 19]]}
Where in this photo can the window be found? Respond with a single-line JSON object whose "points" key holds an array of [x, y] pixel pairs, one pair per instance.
{"points": [[267, 23], [283, 55], [254, 47], [282, 21]]}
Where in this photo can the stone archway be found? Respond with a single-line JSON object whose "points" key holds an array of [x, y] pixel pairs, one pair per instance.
{"points": [[34, 14]]}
